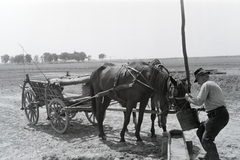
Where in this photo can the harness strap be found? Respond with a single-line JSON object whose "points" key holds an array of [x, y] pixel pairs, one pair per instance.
{"points": [[117, 87], [161, 65], [138, 73]]}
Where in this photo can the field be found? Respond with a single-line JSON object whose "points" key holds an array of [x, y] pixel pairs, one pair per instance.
{"points": [[23, 142]]}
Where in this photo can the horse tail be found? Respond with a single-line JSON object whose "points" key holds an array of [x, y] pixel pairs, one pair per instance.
{"points": [[94, 78]]}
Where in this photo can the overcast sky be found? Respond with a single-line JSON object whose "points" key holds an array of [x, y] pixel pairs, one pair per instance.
{"points": [[120, 28]]}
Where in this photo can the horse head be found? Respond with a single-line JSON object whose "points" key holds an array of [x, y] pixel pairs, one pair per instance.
{"points": [[166, 86], [168, 93], [176, 93]]}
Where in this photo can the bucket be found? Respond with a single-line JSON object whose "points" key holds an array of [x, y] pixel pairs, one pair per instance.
{"points": [[188, 119]]}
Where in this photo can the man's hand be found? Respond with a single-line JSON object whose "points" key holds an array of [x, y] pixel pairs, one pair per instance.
{"points": [[188, 97]]}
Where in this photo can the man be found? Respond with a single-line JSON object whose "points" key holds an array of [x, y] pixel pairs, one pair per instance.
{"points": [[211, 96]]}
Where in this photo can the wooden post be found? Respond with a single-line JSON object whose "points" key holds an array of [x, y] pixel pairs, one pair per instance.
{"points": [[184, 48]]}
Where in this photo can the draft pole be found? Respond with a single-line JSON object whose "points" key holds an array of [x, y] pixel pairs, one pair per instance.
{"points": [[184, 48]]}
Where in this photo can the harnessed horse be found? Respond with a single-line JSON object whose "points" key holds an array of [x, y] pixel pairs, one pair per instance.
{"points": [[130, 84]]}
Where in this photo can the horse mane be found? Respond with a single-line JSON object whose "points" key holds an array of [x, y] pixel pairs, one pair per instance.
{"points": [[159, 80], [155, 62], [105, 65]]}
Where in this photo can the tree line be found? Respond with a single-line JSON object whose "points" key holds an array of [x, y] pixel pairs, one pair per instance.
{"points": [[49, 57]]}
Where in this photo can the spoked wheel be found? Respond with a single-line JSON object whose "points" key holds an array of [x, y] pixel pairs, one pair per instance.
{"points": [[91, 118], [30, 106], [59, 119]]}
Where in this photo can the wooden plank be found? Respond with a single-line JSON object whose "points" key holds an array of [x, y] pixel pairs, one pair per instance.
{"points": [[134, 110], [70, 81], [82, 107], [223, 72]]}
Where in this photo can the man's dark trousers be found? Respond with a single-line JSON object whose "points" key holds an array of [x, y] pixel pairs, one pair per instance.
{"points": [[209, 129]]}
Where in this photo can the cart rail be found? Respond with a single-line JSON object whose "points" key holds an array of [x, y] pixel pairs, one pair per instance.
{"points": [[45, 91]]}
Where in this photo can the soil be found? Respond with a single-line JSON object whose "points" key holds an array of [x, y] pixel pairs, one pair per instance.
{"points": [[21, 141]]}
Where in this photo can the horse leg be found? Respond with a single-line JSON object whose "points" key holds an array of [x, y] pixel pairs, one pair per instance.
{"points": [[140, 118], [153, 117], [105, 104], [163, 117], [134, 119], [129, 108], [164, 121], [100, 117]]}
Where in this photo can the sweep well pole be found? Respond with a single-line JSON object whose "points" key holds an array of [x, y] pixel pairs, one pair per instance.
{"points": [[184, 47]]}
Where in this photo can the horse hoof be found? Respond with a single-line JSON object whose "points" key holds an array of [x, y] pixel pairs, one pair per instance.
{"points": [[153, 136], [139, 140], [165, 134], [103, 137], [122, 140]]}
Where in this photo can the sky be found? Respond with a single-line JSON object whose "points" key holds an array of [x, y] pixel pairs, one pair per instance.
{"points": [[123, 29]]}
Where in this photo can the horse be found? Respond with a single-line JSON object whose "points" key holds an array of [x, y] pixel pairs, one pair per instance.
{"points": [[129, 84], [176, 95]]}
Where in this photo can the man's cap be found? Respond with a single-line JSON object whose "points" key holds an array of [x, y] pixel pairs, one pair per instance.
{"points": [[199, 72]]}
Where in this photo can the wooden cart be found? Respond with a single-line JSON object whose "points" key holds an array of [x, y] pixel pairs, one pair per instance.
{"points": [[61, 107]]}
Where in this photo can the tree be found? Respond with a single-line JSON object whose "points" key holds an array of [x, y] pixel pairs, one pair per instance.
{"points": [[101, 56], [55, 57], [36, 59], [82, 56], [5, 58], [19, 58], [64, 56], [47, 57], [12, 59], [76, 56], [28, 58], [89, 57]]}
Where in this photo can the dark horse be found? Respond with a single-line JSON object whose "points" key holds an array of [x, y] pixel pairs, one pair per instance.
{"points": [[129, 84]]}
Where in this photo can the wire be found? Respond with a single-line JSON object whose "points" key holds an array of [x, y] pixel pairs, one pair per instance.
{"points": [[34, 63]]}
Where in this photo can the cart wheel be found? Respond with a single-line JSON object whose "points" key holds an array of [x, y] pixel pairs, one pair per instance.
{"points": [[30, 106], [59, 119], [91, 118]]}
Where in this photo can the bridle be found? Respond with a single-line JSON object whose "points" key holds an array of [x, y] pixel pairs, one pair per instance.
{"points": [[175, 101]]}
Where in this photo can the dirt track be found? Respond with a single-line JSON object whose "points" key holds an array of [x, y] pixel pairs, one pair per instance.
{"points": [[21, 141]]}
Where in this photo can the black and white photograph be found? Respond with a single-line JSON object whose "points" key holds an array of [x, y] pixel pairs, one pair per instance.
{"points": [[119, 79]]}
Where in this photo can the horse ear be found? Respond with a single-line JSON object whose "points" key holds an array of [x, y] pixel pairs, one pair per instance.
{"points": [[174, 82]]}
